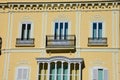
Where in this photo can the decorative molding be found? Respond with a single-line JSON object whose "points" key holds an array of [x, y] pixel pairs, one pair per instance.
{"points": [[23, 62], [40, 50], [97, 62], [59, 58], [59, 6]]}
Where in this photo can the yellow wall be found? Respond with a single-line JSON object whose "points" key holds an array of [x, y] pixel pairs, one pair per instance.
{"points": [[80, 23]]}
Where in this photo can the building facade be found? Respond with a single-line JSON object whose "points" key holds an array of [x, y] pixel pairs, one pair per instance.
{"points": [[59, 40]]}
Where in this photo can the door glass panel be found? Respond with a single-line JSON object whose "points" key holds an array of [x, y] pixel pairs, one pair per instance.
{"points": [[56, 31], [28, 31], [61, 30], [23, 31], [65, 71], [58, 71], [100, 74], [52, 71], [94, 30], [100, 30], [66, 31]]}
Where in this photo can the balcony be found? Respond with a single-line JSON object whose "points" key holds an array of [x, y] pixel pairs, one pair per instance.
{"points": [[60, 43], [97, 42], [25, 42]]}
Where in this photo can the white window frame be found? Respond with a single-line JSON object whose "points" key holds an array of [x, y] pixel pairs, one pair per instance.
{"points": [[22, 67], [61, 21], [97, 68], [103, 28], [20, 28]]}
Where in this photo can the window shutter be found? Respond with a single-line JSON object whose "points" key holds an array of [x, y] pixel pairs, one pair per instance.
{"points": [[19, 74], [105, 74], [25, 74], [95, 74]]}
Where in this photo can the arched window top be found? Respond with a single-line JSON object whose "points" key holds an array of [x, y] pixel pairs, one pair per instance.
{"points": [[60, 58], [97, 18]]}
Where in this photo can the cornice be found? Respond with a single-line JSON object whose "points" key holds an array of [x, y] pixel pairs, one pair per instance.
{"points": [[59, 6]]}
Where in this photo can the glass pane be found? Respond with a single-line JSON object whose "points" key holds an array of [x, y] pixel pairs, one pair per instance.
{"points": [[100, 30], [56, 30], [66, 30], [52, 71], [65, 71], [100, 74], [61, 30], [58, 71], [100, 33], [28, 30], [100, 25], [94, 30], [23, 31]]}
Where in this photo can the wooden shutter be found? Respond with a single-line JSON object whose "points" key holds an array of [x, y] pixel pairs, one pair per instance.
{"points": [[19, 74], [105, 74], [95, 74]]}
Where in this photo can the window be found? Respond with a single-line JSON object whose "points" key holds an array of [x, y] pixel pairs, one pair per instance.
{"points": [[58, 71], [61, 30], [26, 31], [99, 74], [26, 35], [59, 68], [97, 30], [22, 73]]}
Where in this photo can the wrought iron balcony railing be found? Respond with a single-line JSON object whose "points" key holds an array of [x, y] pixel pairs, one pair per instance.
{"points": [[60, 42], [25, 42], [97, 41]]}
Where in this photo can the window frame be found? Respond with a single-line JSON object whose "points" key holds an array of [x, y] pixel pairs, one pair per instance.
{"points": [[97, 68], [20, 29], [103, 28], [22, 67], [61, 21]]}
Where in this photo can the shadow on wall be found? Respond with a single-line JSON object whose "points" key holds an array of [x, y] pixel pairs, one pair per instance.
{"points": [[0, 44]]}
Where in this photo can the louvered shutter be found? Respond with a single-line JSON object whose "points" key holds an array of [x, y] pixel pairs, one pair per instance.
{"points": [[95, 74], [25, 74], [19, 74], [105, 74]]}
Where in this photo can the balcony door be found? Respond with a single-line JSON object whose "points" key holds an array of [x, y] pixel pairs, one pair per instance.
{"points": [[97, 30], [61, 30], [25, 31]]}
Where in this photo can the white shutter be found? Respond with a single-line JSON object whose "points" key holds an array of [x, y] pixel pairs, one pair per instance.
{"points": [[19, 74], [25, 74], [105, 74], [95, 74]]}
